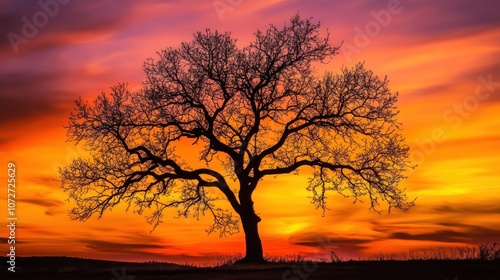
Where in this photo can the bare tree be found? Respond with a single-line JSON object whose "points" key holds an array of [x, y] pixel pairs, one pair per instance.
{"points": [[257, 111]]}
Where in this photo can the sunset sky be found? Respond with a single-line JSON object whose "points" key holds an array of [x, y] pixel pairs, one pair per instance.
{"points": [[443, 58]]}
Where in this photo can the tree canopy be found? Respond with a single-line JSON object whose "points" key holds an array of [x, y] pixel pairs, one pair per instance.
{"points": [[255, 111]]}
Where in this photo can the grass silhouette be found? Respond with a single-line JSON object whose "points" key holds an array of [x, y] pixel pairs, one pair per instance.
{"points": [[481, 262]]}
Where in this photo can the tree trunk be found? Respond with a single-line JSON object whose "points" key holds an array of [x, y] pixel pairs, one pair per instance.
{"points": [[254, 252], [250, 221]]}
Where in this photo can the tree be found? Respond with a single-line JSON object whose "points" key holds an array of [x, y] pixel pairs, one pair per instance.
{"points": [[257, 111]]}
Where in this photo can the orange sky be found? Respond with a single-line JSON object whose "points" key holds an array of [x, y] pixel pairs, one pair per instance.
{"points": [[443, 58]]}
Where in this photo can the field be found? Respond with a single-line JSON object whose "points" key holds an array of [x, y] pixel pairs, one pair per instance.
{"points": [[73, 268]]}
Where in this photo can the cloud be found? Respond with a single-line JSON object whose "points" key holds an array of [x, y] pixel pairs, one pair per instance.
{"points": [[470, 208], [16, 111], [127, 243], [43, 202], [53, 206], [52, 182], [75, 19], [30, 97], [3, 240], [443, 20], [36, 232], [476, 233], [463, 15], [80, 22], [454, 146], [116, 247], [486, 76], [341, 244], [32, 102], [440, 235], [459, 233]]}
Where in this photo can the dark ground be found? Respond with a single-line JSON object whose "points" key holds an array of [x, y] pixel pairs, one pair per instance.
{"points": [[72, 268]]}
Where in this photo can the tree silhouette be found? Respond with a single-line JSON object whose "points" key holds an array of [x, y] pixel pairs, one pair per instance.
{"points": [[257, 111]]}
